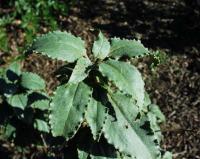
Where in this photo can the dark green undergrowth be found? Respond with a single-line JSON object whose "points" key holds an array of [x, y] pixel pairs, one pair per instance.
{"points": [[31, 17]]}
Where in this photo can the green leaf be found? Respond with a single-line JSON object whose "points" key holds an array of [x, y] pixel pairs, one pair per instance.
{"points": [[13, 72], [153, 108], [32, 81], [4, 40], [15, 67], [130, 48], [167, 155], [2, 72], [155, 127], [82, 154], [59, 45], [147, 102], [18, 101], [41, 125], [95, 116], [80, 71], [101, 157], [38, 100], [126, 77], [127, 135], [68, 107], [85, 155], [125, 104], [96, 150], [101, 47], [41, 104], [7, 132]]}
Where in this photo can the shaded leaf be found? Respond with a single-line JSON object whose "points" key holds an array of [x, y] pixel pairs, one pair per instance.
{"points": [[167, 155], [7, 88], [82, 154], [32, 81], [101, 157], [41, 104], [95, 116], [11, 76], [67, 108], [7, 131], [153, 108], [127, 135], [41, 125], [95, 149], [15, 67], [126, 77], [155, 127], [125, 104], [2, 72], [86, 155], [13, 71], [38, 100], [18, 101], [80, 71], [147, 102]]}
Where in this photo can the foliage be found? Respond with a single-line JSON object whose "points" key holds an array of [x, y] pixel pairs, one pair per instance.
{"points": [[101, 108], [24, 102], [3, 39], [30, 15], [159, 57]]}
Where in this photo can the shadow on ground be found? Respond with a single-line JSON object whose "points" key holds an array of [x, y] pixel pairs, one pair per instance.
{"points": [[168, 24]]}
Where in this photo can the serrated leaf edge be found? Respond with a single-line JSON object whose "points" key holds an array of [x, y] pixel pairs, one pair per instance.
{"points": [[79, 122], [40, 100], [118, 85], [35, 74], [130, 40], [44, 35], [97, 137]]}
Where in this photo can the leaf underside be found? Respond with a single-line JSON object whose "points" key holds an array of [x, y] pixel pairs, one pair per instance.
{"points": [[68, 107]]}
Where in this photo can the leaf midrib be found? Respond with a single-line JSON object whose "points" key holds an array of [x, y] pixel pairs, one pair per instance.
{"points": [[102, 42], [121, 47], [71, 105], [120, 72]]}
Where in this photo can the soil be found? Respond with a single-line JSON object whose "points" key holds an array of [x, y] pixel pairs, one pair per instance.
{"points": [[172, 26]]}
